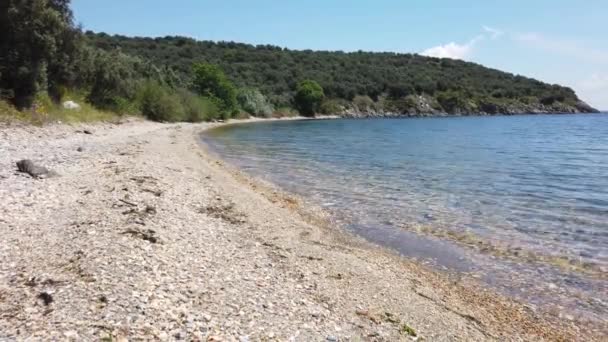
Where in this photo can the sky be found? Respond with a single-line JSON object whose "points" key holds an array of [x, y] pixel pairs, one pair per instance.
{"points": [[556, 41]]}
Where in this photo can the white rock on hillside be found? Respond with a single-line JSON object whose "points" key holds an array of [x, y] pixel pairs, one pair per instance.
{"points": [[71, 105]]}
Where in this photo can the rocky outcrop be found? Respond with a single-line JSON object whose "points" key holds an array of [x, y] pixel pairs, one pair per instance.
{"points": [[423, 106]]}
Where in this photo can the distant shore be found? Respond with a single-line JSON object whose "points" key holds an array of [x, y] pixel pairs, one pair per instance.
{"points": [[144, 234]]}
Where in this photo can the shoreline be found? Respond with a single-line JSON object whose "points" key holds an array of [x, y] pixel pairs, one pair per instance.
{"points": [[233, 257]]}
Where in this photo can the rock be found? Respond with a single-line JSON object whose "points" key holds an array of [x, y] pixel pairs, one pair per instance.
{"points": [[331, 339], [36, 171], [71, 105], [70, 334], [86, 131], [79, 149], [46, 298], [148, 235], [583, 107]]}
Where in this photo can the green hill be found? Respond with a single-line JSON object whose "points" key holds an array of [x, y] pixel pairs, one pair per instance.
{"points": [[357, 83]]}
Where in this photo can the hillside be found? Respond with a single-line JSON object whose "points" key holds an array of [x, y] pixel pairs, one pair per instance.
{"points": [[357, 83]]}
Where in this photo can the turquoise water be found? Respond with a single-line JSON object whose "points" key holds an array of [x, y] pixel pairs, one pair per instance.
{"points": [[534, 189]]}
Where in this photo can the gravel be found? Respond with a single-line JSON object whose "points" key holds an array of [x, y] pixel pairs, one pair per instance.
{"points": [[144, 235]]}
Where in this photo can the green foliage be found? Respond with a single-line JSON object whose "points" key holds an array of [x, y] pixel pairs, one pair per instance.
{"points": [[284, 112], [37, 44], [254, 102], [407, 330], [332, 106], [115, 79], [393, 76], [401, 105], [43, 54], [363, 103], [451, 101], [8, 112], [309, 95], [210, 81], [158, 103], [197, 108]]}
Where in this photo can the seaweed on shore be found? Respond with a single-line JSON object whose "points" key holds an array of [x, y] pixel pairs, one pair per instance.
{"points": [[481, 245]]}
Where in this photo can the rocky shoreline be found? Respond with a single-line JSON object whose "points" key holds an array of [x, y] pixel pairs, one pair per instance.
{"points": [[424, 106], [142, 234]]}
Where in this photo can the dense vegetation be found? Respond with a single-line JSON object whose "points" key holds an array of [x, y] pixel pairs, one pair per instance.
{"points": [[393, 82], [46, 59]]}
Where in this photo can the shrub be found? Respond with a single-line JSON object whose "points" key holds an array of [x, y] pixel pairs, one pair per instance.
{"points": [[402, 105], [309, 95], [254, 102], [452, 102], [210, 81], [284, 112], [197, 108], [332, 107], [158, 103], [8, 112], [363, 103]]}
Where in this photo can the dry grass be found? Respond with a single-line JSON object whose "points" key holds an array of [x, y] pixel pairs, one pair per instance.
{"points": [[48, 113]]}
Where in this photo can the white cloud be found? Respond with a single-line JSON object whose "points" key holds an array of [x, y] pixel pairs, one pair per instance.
{"points": [[453, 50], [493, 32], [593, 89]]}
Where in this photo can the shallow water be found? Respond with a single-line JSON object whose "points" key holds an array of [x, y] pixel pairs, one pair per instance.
{"points": [[485, 190]]}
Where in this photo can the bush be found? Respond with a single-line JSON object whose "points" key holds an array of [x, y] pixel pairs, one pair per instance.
{"points": [[309, 95], [452, 102], [210, 81], [197, 108], [402, 105], [8, 112], [285, 112], [254, 102], [159, 103], [332, 107], [363, 103]]}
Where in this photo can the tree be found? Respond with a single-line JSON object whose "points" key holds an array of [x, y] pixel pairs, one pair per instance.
{"points": [[38, 44], [309, 96], [210, 81], [254, 102]]}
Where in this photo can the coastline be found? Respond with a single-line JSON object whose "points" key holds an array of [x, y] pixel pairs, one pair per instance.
{"points": [[232, 257]]}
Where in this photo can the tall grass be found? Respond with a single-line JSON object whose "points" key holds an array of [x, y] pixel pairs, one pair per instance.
{"points": [[46, 111], [152, 99]]}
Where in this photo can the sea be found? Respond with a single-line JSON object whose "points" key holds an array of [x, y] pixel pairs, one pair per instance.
{"points": [[518, 203]]}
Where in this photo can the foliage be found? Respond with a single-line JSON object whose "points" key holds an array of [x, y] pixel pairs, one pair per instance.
{"points": [[210, 81], [450, 100], [309, 95], [160, 104], [285, 112], [197, 108], [401, 105], [392, 76], [363, 103], [44, 55], [37, 47], [113, 79], [332, 106], [254, 102]]}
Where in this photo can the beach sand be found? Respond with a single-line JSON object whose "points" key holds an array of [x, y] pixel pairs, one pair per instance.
{"points": [[143, 234]]}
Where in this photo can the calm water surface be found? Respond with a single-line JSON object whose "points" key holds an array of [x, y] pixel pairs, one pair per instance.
{"points": [[529, 184]]}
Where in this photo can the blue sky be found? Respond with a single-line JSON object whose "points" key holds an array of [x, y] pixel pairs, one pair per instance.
{"points": [[557, 41]]}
